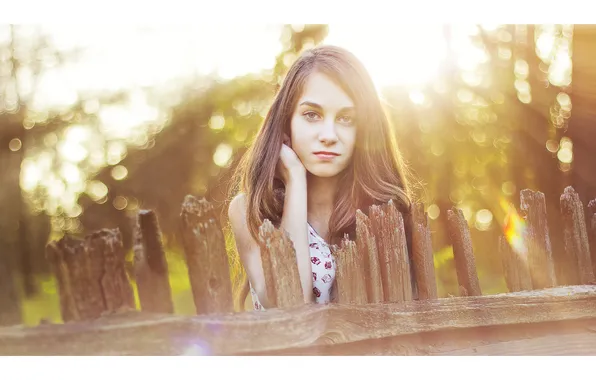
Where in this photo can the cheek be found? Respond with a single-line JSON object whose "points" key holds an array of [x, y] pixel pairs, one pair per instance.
{"points": [[299, 136], [349, 139]]}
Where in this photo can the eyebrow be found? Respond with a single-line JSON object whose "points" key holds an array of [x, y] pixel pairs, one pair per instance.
{"points": [[315, 105]]}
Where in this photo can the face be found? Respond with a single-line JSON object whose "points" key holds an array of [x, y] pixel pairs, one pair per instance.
{"points": [[323, 130]]}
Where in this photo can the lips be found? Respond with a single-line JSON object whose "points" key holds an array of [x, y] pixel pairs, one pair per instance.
{"points": [[326, 154]]}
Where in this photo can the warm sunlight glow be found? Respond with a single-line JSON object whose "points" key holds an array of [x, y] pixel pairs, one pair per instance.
{"points": [[222, 155], [125, 56], [72, 151], [417, 97], [565, 153], [398, 54], [150, 69], [484, 219], [515, 229], [30, 175], [119, 172], [97, 190]]}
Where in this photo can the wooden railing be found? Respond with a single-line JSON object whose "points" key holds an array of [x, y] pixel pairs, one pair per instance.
{"points": [[384, 306]]}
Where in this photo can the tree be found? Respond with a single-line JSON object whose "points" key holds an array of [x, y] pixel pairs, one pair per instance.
{"points": [[31, 132]]}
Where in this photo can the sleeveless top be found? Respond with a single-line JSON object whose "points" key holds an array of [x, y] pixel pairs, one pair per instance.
{"points": [[323, 271]]}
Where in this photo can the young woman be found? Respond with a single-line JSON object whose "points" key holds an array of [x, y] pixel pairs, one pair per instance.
{"points": [[325, 149]]}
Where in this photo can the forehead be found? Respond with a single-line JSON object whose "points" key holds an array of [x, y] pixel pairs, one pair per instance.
{"points": [[320, 89]]}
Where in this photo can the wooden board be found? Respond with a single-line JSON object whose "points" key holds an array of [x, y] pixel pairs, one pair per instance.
{"points": [[311, 326]]}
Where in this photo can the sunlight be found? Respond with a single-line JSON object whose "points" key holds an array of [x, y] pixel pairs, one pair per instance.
{"points": [[553, 47], [222, 155], [164, 59], [417, 97], [121, 56], [30, 175], [515, 229], [72, 151], [408, 55]]}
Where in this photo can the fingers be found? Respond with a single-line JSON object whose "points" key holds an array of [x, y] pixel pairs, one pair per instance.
{"points": [[287, 152]]}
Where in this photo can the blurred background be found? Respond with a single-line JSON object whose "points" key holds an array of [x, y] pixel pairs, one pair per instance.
{"points": [[97, 123]]}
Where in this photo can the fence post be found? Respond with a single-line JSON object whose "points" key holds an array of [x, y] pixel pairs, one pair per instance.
{"points": [[592, 231], [422, 254], [576, 238], [388, 226], [91, 275], [105, 248], [349, 277], [206, 257], [278, 257], [540, 256], [366, 245], [68, 287], [515, 267], [463, 254], [151, 267]]}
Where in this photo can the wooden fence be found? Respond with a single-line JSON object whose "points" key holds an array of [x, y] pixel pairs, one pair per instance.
{"points": [[384, 306]]}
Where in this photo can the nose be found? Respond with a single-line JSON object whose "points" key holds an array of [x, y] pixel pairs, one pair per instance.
{"points": [[327, 135]]}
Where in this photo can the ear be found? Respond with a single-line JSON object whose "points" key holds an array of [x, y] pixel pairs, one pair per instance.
{"points": [[287, 140]]}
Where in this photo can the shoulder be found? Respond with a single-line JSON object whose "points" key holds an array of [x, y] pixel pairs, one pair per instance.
{"points": [[237, 208], [237, 216]]}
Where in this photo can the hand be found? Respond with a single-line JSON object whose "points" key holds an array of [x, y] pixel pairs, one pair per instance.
{"points": [[289, 165]]}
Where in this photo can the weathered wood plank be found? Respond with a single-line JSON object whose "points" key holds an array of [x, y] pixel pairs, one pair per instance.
{"points": [[515, 268], [540, 255], [576, 238], [349, 276], [10, 312], [206, 257], [151, 267], [465, 263], [388, 227], [267, 264], [465, 340], [577, 344], [367, 246], [592, 232], [55, 252], [105, 249], [311, 325], [422, 254], [278, 258], [91, 275]]}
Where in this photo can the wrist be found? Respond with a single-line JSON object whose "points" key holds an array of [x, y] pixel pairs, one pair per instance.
{"points": [[297, 176]]}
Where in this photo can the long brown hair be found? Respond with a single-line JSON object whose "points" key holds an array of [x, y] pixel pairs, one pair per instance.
{"points": [[376, 173]]}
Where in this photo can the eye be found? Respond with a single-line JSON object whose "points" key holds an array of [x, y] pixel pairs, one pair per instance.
{"points": [[311, 116], [346, 119]]}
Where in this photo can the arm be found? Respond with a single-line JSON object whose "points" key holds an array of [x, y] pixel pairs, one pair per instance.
{"points": [[248, 248], [294, 222]]}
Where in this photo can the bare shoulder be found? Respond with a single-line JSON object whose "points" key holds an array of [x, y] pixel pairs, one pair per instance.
{"points": [[237, 209], [239, 224]]}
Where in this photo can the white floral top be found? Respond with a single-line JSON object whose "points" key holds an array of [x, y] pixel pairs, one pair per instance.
{"points": [[323, 270]]}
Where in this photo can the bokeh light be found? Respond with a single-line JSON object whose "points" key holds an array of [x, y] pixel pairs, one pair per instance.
{"points": [[433, 211], [15, 144], [222, 155], [119, 172], [469, 102]]}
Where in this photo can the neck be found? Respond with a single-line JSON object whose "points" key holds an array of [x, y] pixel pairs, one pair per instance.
{"points": [[321, 197]]}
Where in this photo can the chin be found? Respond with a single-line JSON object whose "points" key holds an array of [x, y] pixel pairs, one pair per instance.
{"points": [[324, 172]]}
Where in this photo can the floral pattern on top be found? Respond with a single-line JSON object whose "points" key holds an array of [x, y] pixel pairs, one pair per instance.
{"points": [[323, 271]]}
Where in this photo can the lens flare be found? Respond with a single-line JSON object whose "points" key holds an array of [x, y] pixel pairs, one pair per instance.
{"points": [[515, 229]]}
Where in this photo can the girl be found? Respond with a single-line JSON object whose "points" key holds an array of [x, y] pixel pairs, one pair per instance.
{"points": [[325, 149]]}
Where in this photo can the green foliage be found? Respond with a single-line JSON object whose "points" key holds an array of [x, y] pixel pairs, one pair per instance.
{"points": [[470, 137]]}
